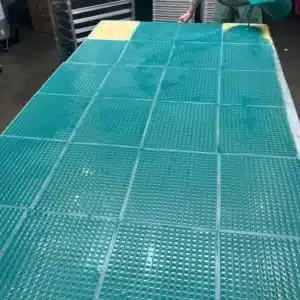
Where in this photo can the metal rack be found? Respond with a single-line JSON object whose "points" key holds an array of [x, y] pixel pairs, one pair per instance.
{"points": [[4, 29], [74, 20], [169, 10], [4, 32], [207, 10]]}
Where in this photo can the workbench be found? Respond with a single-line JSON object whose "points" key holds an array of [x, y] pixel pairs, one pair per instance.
{"points": [[160, 161]]}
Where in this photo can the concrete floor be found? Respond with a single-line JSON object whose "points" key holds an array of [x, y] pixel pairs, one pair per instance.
{"points": [[26, 66], [29, 64], [287, 41]]}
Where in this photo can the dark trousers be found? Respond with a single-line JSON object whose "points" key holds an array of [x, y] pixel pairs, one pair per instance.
{"points": [[13, 17]]}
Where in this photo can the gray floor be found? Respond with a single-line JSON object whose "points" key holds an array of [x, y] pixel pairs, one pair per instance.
{"points": [[287, 41], [26, 66], [29, 64]]}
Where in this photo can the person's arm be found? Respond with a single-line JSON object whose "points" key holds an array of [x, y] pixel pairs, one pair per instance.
{"points": [[191, 11]]}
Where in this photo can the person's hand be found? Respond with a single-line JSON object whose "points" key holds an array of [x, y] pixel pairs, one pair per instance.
{"points": [[186, 17]]}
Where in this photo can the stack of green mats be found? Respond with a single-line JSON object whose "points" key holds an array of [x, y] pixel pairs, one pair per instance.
{"points": [[163, 167]]}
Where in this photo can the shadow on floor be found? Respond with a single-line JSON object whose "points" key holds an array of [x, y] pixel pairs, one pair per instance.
{"points": [[29, 64], [26, 66]]}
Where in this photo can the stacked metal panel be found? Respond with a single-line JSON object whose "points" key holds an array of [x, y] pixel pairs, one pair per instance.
{"points": [[169, 10], [4, 30], [63, 27], [74, 20], [207, 10]]}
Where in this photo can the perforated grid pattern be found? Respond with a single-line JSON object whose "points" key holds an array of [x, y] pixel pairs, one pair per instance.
{"points": [[158, 260], [76, 79], [261, 194], [55, 257], [57, 118], [114, 121], [98, 52], [182, 84], [251, 88], [245, 35], [9, 218], [151, 53], [133, 82], [156, 32], [25, 165], [182, 189], [184, 126], [257, 130], [248, 57], [201, 55], [254, 267], [207, 33], [147, 172], [82, 182]]}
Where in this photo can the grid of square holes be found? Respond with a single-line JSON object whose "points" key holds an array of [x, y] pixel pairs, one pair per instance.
{"points": [[135, 148]]}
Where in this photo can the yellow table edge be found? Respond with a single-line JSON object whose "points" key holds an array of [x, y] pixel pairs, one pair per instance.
{"points": [[123, 30], [114, 30], [264, 28]]}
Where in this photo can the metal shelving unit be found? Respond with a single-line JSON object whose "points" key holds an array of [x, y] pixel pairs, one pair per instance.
{"points": [[207, 11], [169, 10], [4, 29], [74, 20]]}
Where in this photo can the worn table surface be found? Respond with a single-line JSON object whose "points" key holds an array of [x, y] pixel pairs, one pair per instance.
{"points": [[161, 161]]}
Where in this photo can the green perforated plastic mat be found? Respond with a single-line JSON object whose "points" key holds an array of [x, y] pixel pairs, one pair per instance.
{"points": [[164, 167]]}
